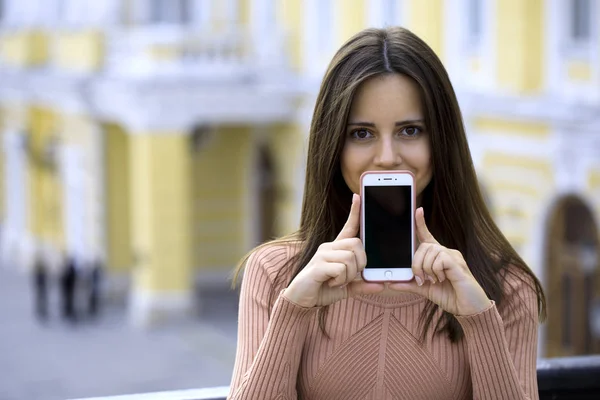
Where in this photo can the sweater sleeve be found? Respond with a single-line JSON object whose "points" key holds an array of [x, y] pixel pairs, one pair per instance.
{"points": [[269, 348], [503, 345]]}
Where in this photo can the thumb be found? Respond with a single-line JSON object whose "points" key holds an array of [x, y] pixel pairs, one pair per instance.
{"points": [[422, 231], [351, 226]]}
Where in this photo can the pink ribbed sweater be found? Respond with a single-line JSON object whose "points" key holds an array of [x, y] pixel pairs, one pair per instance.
{"points": [[373, 352]]}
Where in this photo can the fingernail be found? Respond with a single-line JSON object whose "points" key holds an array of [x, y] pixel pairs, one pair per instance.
{"points": [[431, 279], [419, 280], [354, 197]]}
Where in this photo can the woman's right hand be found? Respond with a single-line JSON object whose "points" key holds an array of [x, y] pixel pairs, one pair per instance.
{"points": [[334, 272]]}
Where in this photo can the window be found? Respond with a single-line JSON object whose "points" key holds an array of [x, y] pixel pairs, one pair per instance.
{"points": [[169, 11], [324, 26], [475, 19], [199, 11], [270, 16], [580, 20], [264, 17]]}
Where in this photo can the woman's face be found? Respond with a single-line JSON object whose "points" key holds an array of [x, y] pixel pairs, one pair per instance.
{"points": [[386, 131]]}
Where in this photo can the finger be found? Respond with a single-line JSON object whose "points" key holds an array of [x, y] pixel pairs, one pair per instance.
{"points": [[355, 245], [357, 288], [351, 267], [430, 257], [345, 258], [358, 249], [350, 229], [333, 273], [417, 264], [360, 254], [422, 231], [439, 265]]}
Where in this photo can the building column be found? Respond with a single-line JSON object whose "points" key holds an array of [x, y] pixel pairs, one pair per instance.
{"points": [[520, 41], [160, 176], [17, 243], [45, 184], [352, 19], [117, 199], [83, 187]]}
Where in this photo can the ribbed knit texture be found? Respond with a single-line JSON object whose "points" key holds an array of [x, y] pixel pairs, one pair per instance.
{"points": [[374, 352]]}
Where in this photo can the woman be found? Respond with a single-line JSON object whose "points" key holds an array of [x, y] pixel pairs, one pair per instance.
{"points": [[465, 327]]}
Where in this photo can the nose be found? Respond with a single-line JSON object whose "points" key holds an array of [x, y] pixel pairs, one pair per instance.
{"points": [[388, 156]]}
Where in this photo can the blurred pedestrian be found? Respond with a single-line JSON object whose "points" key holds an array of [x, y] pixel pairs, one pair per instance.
{"points": [[94, 280], [40, 288], [68, 286]]}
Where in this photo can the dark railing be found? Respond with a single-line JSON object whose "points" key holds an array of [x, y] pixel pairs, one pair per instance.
{"points": [[569, 378], [572, 378]]}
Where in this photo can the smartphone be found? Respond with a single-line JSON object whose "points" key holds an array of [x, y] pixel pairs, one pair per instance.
{"points": [[387, 227]]}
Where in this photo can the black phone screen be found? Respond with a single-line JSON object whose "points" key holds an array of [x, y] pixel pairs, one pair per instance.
{"points": [[388, 225]]}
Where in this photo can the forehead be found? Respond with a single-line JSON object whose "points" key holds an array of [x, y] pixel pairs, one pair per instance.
{"points": [[393, 96]]}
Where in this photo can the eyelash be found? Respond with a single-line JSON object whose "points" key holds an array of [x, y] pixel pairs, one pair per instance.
{"points": [[418, 128]]}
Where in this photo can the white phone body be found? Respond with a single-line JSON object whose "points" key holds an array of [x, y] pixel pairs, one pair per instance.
{"points": [[387, 227]]}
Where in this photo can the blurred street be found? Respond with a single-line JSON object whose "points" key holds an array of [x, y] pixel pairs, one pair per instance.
{"points": [[57, 360]]}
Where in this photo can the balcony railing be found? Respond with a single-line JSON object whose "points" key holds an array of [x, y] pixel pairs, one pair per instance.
{"points": [[179, 51], [572, 378]]}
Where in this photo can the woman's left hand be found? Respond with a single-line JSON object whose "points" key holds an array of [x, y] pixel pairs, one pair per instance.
{"points": [[442, 275]]}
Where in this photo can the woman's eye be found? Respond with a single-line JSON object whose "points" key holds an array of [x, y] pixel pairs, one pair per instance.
{"points": [[411, 131], [361, 134]]}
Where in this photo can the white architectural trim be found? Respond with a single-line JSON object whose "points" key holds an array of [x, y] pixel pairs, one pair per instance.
{"points": [[458, 51], [140, 11], [554, 21], [14, 229], [264, 18], [490, 40], [318, 46], [58, 90], [570, 47], [549, 109], [149, 308], [567, 50], [143, 106], [73, 171], [454, 32], [407, 10], [309, 37], [202, 13], [159, 104], [231, 11], [543, 148], [375, 12], [210, 393]]}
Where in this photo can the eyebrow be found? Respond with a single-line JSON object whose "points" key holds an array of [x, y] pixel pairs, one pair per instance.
{"points": [[398, 123]]}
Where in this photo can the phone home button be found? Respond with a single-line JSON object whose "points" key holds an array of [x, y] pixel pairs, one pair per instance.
{"points": [[388, 274]]}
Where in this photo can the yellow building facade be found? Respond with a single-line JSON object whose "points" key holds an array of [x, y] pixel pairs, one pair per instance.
{"points": [[167, 138]]}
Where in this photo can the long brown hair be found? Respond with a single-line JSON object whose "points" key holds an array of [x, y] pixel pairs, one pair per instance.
{"points": [[454, 207]]}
